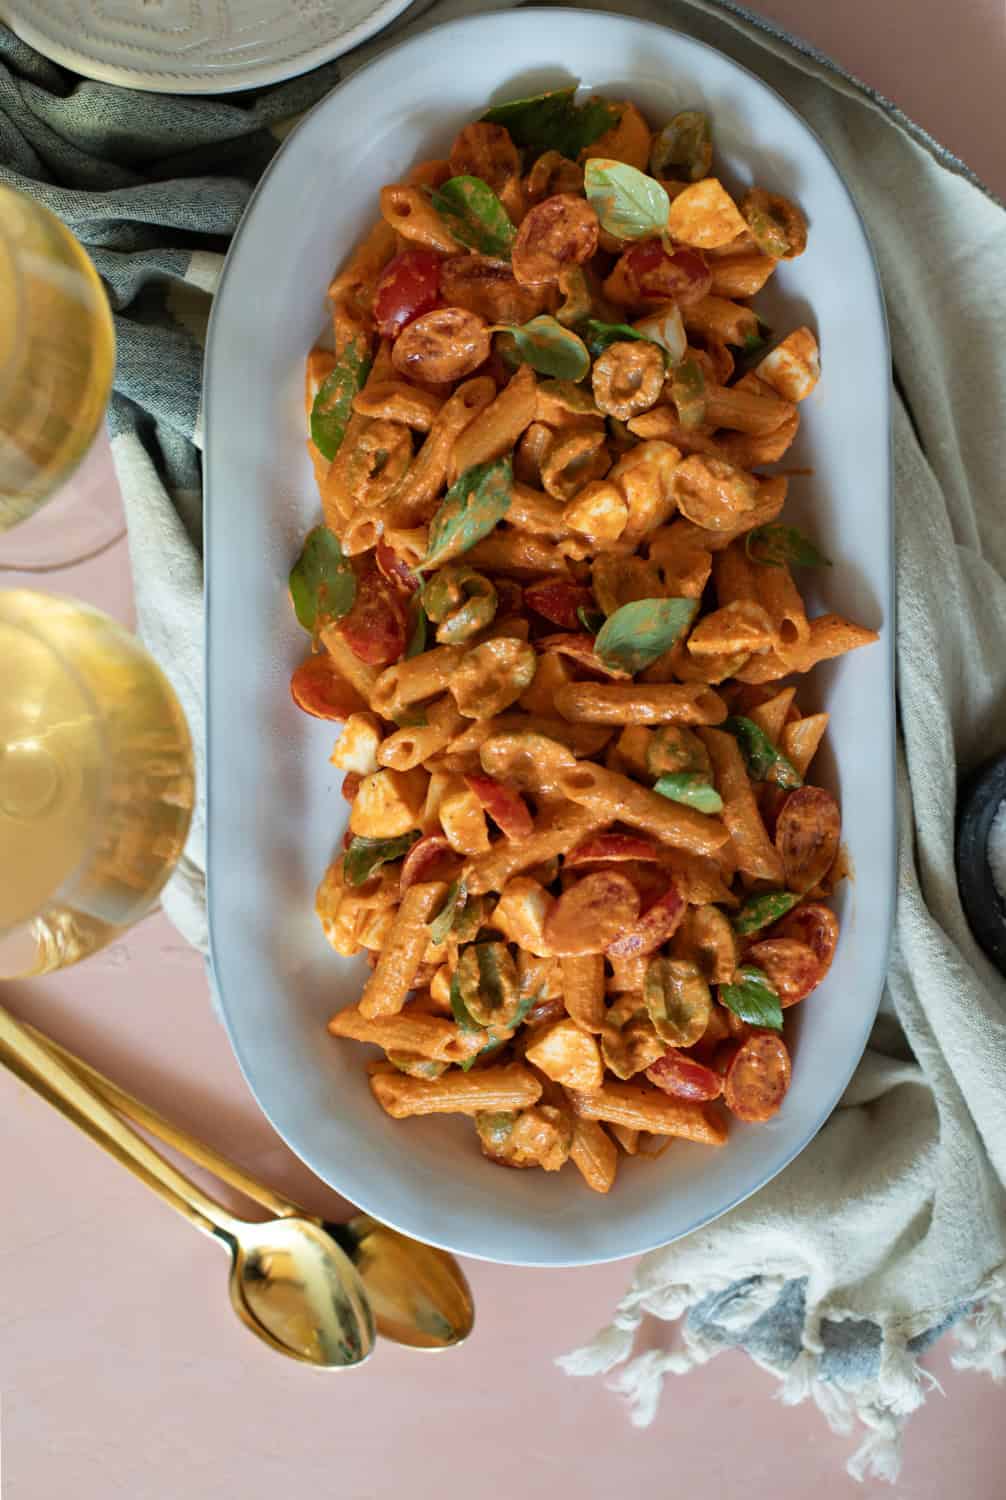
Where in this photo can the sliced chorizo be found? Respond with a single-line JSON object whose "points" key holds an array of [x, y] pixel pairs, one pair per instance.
{"points": [[591, 914], [489, 288], [557, 233], [815, 925], [792, 968], [441, 346], [807, 834], [757, 1077]]}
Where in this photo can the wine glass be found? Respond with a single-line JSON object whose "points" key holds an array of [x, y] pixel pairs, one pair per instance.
{"points": [[96, 781], [57, 353]]}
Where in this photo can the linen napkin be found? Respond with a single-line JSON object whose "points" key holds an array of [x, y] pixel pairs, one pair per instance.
{"points": [[891, 1226]]}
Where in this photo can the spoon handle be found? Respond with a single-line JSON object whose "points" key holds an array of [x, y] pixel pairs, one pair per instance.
{"points": [[67, 1092], [171, 1134]]}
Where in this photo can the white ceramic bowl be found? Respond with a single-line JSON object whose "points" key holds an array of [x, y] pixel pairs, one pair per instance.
{"points": [[275, 811]]}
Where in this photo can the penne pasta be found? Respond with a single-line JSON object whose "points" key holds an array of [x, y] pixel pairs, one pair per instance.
{"points": [[409, 212], [499, 425], [414, 498], [771, 716], [387, 988], [726, 406], [801, 739], [417, 743], [640, 1107], [593, 1153], [510, 1087], [407, 1031], [555, 833], [395, 400], [828, 636], [628, 703], [552, 877], [616, 798], [755, 853], [517, 554], [414, 680]]}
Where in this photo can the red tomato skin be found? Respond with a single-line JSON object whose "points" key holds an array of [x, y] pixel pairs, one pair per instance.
{"points": [[683, 1077], [558, 601], [658, 921], [394, 569], [320, 690], [409, 286], [376, 628], [504, 805], [681, 276], [613, 846], [430, 858]]}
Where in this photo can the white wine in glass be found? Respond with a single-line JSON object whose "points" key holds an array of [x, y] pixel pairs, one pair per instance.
{"points": [[96, 781], [57, 354]]}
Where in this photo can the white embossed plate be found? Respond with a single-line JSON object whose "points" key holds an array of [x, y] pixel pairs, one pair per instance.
{"points": [[275, 813], [196, 46]]}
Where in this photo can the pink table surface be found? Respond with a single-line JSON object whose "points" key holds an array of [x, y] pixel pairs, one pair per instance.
{"points": [[123, 1371]]}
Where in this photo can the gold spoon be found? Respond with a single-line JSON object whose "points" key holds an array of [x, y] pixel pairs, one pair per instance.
{"points": [[418, 1295], [290, 1283]]}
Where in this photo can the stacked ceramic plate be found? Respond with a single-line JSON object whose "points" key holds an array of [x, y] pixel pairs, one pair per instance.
{"points": [[197, 46]]}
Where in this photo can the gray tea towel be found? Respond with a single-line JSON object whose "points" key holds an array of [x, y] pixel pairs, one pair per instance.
{"points": [[891, 1226]]}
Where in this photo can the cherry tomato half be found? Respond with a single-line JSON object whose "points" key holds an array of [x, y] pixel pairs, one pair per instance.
{"points": [[681, 277], [409, 286], [319, 689], [376, 628]]}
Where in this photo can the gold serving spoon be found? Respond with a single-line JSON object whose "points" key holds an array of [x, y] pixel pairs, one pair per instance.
{"points": [[290, 1283], [418, 1295]]}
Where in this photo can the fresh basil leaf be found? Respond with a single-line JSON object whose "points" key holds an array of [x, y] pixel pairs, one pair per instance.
{"points": [[590, 619], [410, 718], [333, 405], [459, 1009], [475, 216], [454, 901], [761, 911], [473, 505], [688, 392], [599, 336], [692, 789], [774, 545], [635, 635], [417, 641], [629, 204], [322, 581], [753, 998], [763, 760], [549, 348], [364, 855], [554, 121]]}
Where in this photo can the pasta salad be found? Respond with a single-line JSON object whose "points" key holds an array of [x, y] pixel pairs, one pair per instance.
{"points": [[554, 605]]}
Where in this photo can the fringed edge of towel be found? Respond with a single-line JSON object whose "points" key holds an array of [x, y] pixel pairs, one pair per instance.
{"points": [[882, 1404]]}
